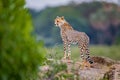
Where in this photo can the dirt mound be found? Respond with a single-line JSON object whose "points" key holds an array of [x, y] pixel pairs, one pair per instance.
{"points": [[103, 68]]}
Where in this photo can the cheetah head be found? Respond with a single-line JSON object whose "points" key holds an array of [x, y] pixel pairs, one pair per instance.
{"points": [[59, 21]]}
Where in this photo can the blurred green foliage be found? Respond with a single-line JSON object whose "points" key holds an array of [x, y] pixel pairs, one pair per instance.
{"points": [[20, 55], [54, 70]]}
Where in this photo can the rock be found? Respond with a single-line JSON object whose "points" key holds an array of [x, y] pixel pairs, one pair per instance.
{"points": [[102, 68], [114, 72]]}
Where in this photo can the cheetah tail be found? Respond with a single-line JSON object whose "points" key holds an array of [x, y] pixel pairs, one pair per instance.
{"points": [[89, 60]]}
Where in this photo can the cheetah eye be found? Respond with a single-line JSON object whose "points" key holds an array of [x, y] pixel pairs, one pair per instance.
{"points": [[57, 21]]}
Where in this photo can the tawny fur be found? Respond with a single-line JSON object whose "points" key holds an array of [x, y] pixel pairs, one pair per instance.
{"points": [[71, 36]]}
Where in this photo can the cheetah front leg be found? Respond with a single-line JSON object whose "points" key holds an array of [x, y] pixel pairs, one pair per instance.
{"points": [[65, 50], [69, 52]]}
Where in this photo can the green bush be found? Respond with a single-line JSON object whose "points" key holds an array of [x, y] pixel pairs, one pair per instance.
{"points": [[55, 70], [20, 55]]}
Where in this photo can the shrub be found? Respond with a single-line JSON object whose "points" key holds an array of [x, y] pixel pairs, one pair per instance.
{"points": [[20, 55]]}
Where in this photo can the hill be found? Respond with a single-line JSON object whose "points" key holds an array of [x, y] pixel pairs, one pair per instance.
{"points": [[99, 20]]}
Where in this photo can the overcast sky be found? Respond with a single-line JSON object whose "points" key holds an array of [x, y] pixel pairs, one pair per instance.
{"points": [[41, 4]]}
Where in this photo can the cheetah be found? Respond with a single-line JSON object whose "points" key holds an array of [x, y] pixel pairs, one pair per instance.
{"points": [[70, 36]]}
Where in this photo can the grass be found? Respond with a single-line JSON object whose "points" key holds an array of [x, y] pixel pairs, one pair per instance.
{"points": [[112, 52]]}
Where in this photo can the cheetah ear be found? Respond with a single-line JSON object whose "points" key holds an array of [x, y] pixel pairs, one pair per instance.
{"points": [[57, 16], [62, 17]]}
